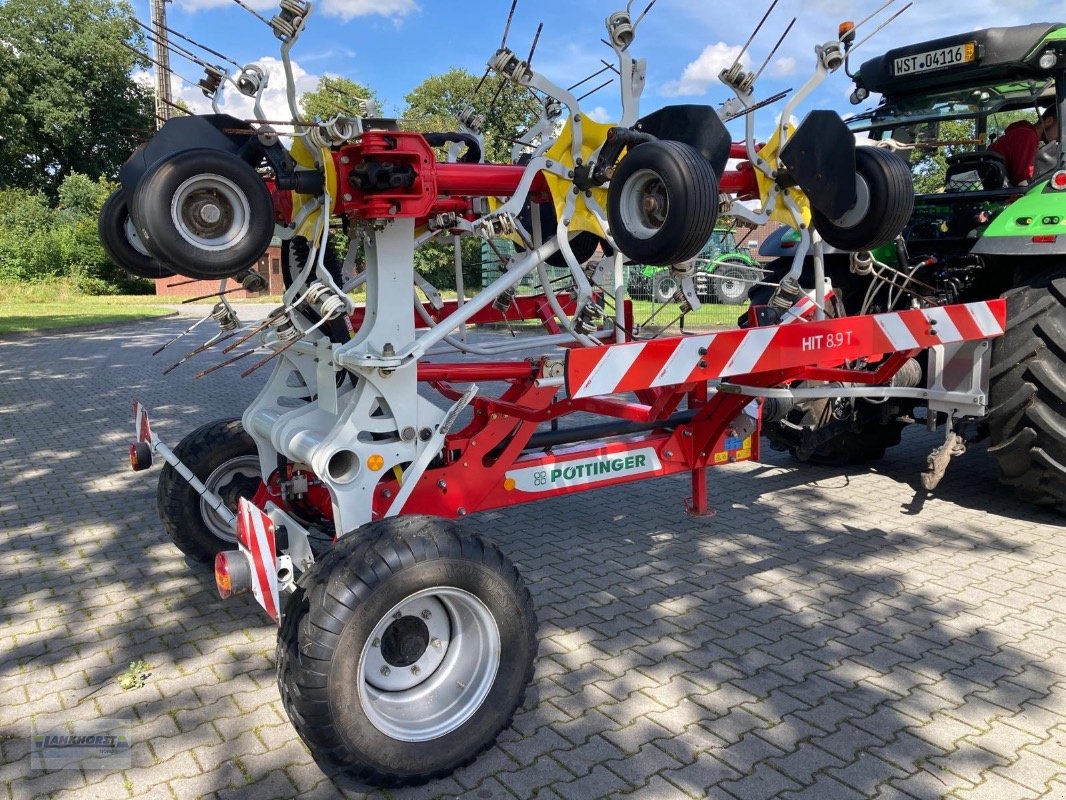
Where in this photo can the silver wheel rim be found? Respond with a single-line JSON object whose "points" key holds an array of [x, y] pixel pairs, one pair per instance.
{"points": [[429, 664], [861, 208], [134, 239], [644, 204], [732, 286], [226, 482], [210, 212], [665, 289]]}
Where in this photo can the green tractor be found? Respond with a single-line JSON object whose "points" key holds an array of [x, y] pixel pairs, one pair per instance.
{"points": [[974, 235], [725, 274]]}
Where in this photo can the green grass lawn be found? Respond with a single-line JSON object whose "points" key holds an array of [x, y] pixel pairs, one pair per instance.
{"points": [[41, 307]]}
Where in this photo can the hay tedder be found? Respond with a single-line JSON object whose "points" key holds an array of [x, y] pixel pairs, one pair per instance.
{"points": [[405, 641]]}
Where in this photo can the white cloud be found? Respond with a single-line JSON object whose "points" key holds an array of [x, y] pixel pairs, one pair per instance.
{"points": [[600, 114], [783, 66], [275, 104], [702, 72], [343, 9]]}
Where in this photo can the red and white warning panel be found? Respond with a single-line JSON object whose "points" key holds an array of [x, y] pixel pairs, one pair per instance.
{"points": [[690, 359], [255, 536]]}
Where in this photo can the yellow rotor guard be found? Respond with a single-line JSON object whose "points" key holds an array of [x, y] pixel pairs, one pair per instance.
{"points": [[593, 135], [780, 212], [304, 156]]}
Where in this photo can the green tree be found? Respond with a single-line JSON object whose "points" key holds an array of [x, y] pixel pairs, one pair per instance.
{"points": [[335, 95], [67, 102], [434, 104]]}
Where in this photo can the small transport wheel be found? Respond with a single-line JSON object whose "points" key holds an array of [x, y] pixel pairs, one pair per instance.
{"points": [[662, 203], [885, 191], [1027, 392], [732, 282], [205, 212], [121, 242], [225, 458], [406, 650]]}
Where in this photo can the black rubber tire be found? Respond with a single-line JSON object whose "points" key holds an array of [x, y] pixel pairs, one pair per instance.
{"points": [[1027, 392], [664, 286], [336, 607], [162, 235], [891, 203], [867, 444], [203, 451], [688, 186], [116, 242]]}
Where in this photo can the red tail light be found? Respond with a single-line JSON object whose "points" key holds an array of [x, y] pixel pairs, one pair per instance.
{"points": [[1058, 180], [233, 573]]}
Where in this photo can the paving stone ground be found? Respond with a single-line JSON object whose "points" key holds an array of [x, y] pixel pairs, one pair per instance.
{"points": [[829, 633]]}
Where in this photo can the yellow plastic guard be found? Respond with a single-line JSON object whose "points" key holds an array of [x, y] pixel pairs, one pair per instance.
{"points": [[593, 135], [780, 211]]}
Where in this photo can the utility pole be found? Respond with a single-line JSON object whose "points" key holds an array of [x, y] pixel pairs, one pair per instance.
{"points": [[162, 57]]}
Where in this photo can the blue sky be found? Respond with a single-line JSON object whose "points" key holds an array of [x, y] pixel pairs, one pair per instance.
{"points": [[391, 45]]}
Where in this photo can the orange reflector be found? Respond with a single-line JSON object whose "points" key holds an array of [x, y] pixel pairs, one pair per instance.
{"points": [[508, 485], [375, 462], [223, 580], [233, 573]]}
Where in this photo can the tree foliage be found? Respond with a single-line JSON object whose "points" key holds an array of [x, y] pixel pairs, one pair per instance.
{"points": [[434, 104], [335, 95], [67, 102]]}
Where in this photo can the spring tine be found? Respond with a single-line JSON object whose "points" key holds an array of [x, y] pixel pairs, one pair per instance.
{"points": [[218, 337], [183, 283], [260, 327], [273, 355], [188, 330], [532, 49], [874, 14], [593, 91], [774, 50], [174, 48], [757, 106], [644, 13], [507, 27], [212, 294], [203, 47], [135, 51], [881, 27], [589, 78], [754, 33], [253, 12], [495, 97], [225, 363]]}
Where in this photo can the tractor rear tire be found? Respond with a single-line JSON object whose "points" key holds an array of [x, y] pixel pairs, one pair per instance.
{"points": [[405, 651], [1027, 392], [224, 457]]}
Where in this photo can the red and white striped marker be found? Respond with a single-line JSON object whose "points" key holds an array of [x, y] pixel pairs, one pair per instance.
{"points": [[255, 535], [690, 359], [141, 424]]}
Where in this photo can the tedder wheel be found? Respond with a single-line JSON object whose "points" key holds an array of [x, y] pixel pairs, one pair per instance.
{"points": [[662, 203], [885, 202], [1027, 392], [121, 242], [225, 458], [206, 213], [406, 650]]}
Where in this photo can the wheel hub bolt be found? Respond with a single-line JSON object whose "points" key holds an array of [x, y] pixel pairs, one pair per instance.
{"points": [[385, 670], [435, 642], [376, 643], [397, 615], [426, 614], [415, 670]]}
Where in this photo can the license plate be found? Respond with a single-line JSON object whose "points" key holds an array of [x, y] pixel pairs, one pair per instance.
{"points": [[935, 59]]}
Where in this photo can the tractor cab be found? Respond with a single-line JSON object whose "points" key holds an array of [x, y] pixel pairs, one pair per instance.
{"points": [[944, 103]]}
